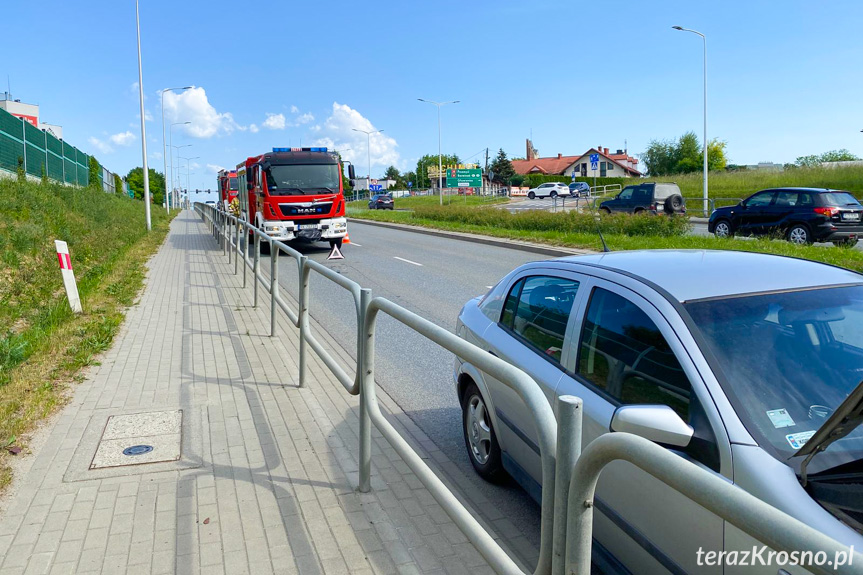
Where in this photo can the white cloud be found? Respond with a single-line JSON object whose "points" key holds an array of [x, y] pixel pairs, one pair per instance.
{"points": [[305, 119], [103, 147], [275, 122], [194, 106], [106, 146], [123, 138], [338, 132], [254, 129], [295, 110], [215, 168]]}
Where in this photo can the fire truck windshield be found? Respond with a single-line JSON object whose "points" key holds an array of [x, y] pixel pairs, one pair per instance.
{"points": [[302, 179], [233, 184]]}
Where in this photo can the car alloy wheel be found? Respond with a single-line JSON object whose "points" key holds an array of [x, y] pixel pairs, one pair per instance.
{"points": [[722, 229], [531, 195], [798, 235], [553, 194], [478, 429]]}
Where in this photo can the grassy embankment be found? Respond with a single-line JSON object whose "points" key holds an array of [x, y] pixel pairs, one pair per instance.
{"points": [[622, 232], [43, 345], [412, 202], [745, 183]]}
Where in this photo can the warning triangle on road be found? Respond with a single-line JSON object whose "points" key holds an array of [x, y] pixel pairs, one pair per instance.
{"points": [[335, 254]]}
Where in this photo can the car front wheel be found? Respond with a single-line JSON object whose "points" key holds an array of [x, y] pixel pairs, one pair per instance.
{"points": [[531, 195], [723, 229], [800, 235], [479, 436]]}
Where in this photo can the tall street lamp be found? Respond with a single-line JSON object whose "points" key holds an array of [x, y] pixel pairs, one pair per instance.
{"points": [[164, 146], [704, 39], [171, 144], [369, 152], [143, 127], [188, 167], [439, 160]]}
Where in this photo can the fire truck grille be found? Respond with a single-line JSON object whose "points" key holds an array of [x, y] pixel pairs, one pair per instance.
{"points": [[306, 209]]}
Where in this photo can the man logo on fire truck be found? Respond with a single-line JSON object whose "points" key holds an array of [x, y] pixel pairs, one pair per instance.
{"points": [[294, 193]]}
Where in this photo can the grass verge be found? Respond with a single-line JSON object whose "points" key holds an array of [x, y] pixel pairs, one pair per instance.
{"points": [[588, 239], [43, 346]]}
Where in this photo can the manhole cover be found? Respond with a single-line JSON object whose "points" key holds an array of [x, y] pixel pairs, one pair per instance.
{"points": [[138, 450], [140, 438]]}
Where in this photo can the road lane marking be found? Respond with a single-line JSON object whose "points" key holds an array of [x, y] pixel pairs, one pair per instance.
{"points": [[488, 287], [406, 261], [355, 244]]}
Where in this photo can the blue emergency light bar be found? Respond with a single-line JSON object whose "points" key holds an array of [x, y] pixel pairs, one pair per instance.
{"points": [[299, 149]]}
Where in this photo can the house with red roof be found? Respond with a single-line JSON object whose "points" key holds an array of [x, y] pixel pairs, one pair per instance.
{"points": [[617, 165]]}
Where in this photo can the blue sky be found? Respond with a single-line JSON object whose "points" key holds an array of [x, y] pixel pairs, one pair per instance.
{"points": [[784, 79]]}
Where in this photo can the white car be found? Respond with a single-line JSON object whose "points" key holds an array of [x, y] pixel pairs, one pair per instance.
{"points": [[548, 190]]}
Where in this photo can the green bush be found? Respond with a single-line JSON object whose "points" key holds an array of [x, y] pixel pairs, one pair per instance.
{"points": [[533, 180], [563, 222]]}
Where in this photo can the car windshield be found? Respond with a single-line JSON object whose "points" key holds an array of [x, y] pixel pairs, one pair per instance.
{"points": [[300, 179], [233, 184], [839, 199], [786, 361]]}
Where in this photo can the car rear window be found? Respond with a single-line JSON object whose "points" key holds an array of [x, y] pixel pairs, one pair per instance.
{"points": [[838, 199]]}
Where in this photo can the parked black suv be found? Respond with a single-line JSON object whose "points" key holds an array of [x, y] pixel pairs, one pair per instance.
{"points": [[653, 198], [801, 215]]}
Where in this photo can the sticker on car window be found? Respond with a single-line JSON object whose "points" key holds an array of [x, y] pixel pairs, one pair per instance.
{"points": [[798, 440], [780, 418]]}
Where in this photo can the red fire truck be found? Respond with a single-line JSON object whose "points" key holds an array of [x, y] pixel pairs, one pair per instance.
{"points": [[227, 186], [295, 193]]}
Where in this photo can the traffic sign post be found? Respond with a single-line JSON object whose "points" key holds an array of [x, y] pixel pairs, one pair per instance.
{"points": [[594, 164]]}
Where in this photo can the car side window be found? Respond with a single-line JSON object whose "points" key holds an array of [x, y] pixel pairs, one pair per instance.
{"points": [[537, 310], [627, 192], [623, 353], [760, 200], [805, 200], [786, 199], [511, 304]]}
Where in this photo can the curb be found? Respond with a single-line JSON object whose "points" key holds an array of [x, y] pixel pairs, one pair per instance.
{"points": [[479, 239]]}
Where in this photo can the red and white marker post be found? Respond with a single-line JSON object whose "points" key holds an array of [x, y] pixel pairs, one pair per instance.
{"points": [[68, 275]]}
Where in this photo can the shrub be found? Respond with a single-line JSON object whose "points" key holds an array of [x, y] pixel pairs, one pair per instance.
{"points": [[563, 222]]}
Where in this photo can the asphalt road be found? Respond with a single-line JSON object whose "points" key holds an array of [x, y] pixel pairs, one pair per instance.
{"points": [[433, 277]]}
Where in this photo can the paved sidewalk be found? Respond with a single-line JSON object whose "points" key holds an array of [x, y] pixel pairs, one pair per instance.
{"points": [[266, 479]]}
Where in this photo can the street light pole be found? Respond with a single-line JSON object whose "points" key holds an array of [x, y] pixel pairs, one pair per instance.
{"points": [[143, 127], [704, 152], [369, 154], [439, 155], [171, 144], [164, 147]]}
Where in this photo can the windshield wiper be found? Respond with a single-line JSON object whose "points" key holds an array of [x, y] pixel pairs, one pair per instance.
{"points": [[332, 191], [843, 421]]}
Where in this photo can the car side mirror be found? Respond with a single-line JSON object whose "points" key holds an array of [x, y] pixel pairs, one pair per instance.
{"points": [[658, 423]]}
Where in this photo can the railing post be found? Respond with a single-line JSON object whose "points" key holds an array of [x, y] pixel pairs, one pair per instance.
{"points": [[255, 268], [569, 417], [305, 271], [274, 284], [236, 245], [245, 250], [365, 369]]}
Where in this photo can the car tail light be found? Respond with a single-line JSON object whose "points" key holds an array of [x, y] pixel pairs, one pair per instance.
{"points": [[829, 212]]}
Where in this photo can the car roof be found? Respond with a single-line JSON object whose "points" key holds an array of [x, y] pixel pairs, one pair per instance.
{"points": [[697, 274], [793, 189]]}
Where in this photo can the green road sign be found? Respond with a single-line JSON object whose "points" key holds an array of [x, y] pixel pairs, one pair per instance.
{"points": [[463, 178]]}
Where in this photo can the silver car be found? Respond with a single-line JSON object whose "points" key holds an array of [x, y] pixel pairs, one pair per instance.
{"points": [[741, 363]]}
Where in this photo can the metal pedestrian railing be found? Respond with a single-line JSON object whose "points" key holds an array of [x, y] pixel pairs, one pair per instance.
{"points": [[569, 477]]}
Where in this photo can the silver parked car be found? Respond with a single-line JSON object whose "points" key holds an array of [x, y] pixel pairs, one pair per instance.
{"points": [[741, 363]]}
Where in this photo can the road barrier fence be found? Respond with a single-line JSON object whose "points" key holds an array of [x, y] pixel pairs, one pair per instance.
{"points": [[569, 475]]}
